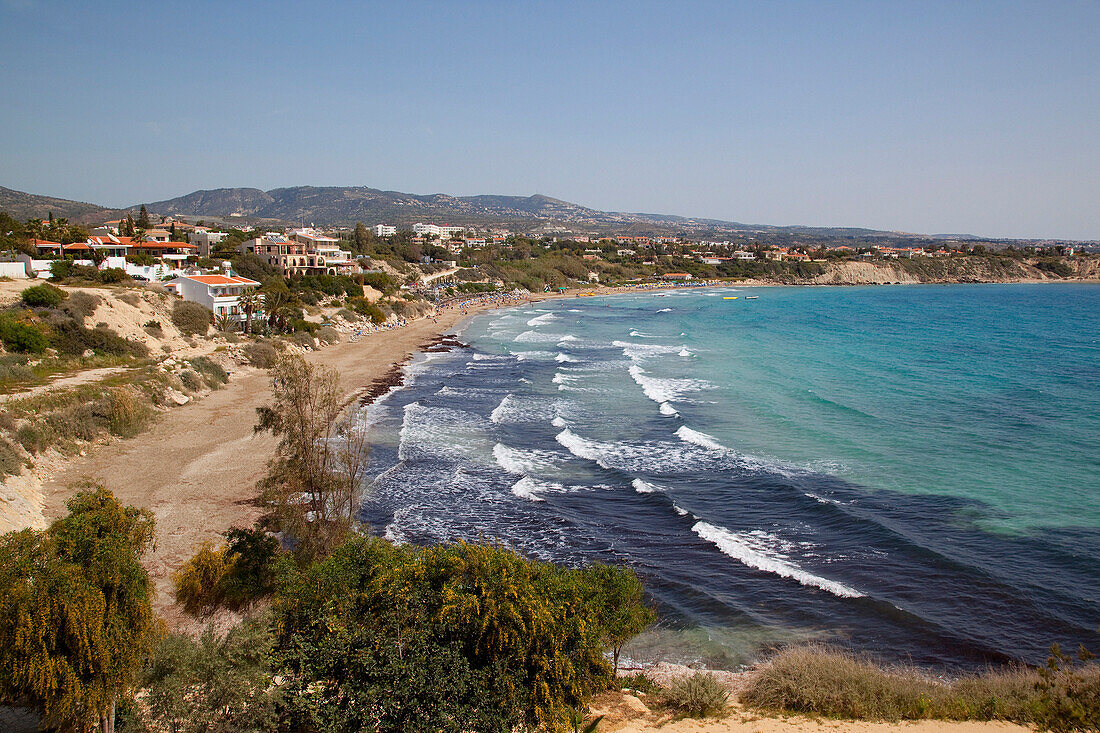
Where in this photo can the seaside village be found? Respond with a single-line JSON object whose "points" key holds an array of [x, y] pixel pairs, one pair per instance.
{"points": [[194, 262]]}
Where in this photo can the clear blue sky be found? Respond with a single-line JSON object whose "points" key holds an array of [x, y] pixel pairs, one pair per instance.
{"points": [[979, 117]]}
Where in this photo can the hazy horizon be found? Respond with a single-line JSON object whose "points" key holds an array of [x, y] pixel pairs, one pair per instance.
{"points": [[931, 118]]}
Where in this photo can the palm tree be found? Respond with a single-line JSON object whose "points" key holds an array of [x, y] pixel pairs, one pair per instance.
{"points": [[224, 322], [250, 302], [277, 306]]}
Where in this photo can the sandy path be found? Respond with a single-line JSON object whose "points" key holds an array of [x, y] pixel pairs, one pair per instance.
{"points": [[90, 375], [197, 468]]}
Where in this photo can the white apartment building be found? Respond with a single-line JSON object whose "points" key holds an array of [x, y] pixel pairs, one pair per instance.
{"points": [[205, 241], [381, 230], [219, 293], [439, 231]]}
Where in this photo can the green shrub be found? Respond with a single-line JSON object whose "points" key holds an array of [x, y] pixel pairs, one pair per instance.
{"points": [[639, 682], [699, 696], [22, 337], [304, 326], [198, 583], [328, 334], [191, 318], [251, 575], [13, 367], [260, 354], [80, 305], [192, 382], [70, 337], [348, 315], [380, 281], [43, 296], [1055, 267], [1069, 692], [113, 275], [453, 632], [213, 684], [212, 374]]}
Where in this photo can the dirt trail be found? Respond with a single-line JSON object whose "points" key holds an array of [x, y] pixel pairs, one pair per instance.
{"points": [[91, 375]]}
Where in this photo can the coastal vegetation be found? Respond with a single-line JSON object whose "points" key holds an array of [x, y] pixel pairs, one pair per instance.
{"points": [[76, 623], [1063, 696]]}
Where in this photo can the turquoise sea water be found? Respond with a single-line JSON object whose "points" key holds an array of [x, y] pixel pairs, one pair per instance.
{"points": [[911, 470]]}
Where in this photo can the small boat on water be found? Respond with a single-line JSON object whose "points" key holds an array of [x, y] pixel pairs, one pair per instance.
{"points": [[752, 297], [730, 297]]}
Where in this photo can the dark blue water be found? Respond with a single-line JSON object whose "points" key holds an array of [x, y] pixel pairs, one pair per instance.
{"points": [[912, 471]]}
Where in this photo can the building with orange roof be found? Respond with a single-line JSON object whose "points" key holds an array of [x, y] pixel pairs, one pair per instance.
{"points": [[218, 293]]}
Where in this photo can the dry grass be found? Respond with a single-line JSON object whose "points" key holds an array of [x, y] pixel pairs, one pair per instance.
{"points": [[824, 681], [699, 696]]}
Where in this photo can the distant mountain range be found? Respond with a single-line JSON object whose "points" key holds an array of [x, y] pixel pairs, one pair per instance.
{"points": [[344, 206]]}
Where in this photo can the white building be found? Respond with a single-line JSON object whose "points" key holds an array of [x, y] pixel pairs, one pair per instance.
{"points": [[205, 241], [219, 293], [442, 232], [381, 230], [425, 229]]}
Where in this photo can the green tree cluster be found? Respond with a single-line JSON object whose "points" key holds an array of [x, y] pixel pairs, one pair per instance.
{"points": [[76, 622], [446, 638]]}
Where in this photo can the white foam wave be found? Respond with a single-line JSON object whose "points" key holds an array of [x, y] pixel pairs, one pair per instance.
{"points": [[668, 410], [568, 337], [752, 463], [644, 487], [637, 352], [498, 413], [702, 440], [536, 337], [680, 511], [525, 355], [684, 352], [558, 421], [629, 457], [665, 310], [758, 552], [564, 358], [527, 488], [523, 462], [580, 447], [662, 390], [640, 335], [543, 319]]}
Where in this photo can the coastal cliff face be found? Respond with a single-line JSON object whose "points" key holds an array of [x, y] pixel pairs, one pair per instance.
{"points": [[952, 270]]}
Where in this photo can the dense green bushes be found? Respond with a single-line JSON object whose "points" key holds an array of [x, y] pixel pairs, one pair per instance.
{"points": [[440, 622], [21, 336], [70, 337], [191, 318], [43, 296], [213, 684]]}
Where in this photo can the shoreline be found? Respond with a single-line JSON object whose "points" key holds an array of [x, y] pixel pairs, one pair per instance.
{"points": [[180, 464], [197, 467]]}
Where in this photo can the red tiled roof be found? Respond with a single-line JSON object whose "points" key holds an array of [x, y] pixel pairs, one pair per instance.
{"points": [[221, 279], [163, 245], [44, 243]]}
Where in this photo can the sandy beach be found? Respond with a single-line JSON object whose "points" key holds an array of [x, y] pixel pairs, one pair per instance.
{"points": [[197, 468]]}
